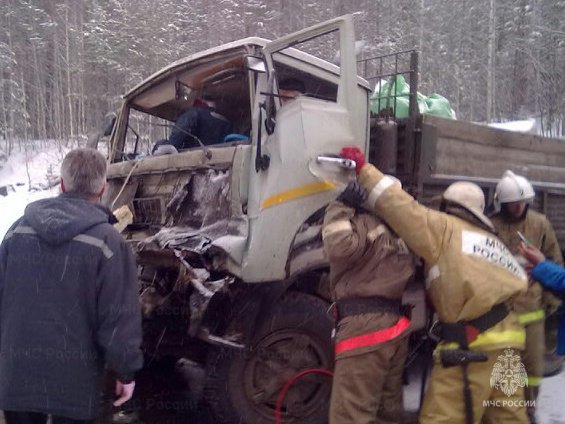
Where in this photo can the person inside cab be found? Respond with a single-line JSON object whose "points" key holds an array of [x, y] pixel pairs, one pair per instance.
{"points": [[198, 125], [290, 88]]}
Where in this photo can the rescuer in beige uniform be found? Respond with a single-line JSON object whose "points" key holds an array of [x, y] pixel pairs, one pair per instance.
{"points": [[512, 197], [369, 269], [471, 277]]}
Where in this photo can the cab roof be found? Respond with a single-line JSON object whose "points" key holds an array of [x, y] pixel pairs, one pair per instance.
{"points": [[250, 45]]}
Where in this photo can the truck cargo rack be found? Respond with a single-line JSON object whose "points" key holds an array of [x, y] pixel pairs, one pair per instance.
{"points": [[376, 69]]}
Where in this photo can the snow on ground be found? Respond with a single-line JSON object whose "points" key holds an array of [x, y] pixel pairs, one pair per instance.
{"points": [[525, 126], [41, 164], [551, 401]]}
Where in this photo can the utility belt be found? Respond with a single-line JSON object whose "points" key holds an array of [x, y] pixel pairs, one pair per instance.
{"points": [[366, 305], [466, 332]]}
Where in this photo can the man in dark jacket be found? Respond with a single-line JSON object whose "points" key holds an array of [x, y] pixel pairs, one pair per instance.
{"points": [[200, 122], [290, 89], [68, 303]]}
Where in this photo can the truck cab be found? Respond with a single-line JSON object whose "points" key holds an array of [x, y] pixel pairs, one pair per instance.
{"points": [[275, 180]]}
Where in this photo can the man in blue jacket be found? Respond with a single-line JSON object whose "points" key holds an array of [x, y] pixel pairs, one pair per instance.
{"points": [[552, 277], [68, 303]]}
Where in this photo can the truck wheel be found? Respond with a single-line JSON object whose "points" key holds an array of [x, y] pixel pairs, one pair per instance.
{"points": [[243, 386]]}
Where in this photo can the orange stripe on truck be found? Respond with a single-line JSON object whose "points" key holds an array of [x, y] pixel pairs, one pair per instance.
{"points": [[298, 192]]}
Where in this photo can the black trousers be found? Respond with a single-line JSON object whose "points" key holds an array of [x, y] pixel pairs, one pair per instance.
{"points": [[20, 417]]}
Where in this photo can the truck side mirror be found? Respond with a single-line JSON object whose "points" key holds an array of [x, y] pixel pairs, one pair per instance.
{"points": [[255, 64], [270, 105], [262, 161]]}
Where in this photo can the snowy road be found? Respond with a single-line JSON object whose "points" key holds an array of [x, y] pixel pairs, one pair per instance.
{"points": [[156, 398], [551, 402]]}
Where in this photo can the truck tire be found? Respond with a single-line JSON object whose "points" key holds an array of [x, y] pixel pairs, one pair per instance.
{"points": [[242, 386]]}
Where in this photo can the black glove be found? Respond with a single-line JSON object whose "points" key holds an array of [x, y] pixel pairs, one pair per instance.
{"points": [[354, 195]]}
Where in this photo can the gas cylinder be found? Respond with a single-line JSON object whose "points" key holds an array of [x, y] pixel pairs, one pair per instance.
{"points": [[386, 138]]}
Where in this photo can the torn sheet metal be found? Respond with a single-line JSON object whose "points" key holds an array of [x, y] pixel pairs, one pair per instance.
{"points": [[204, 200], [199, 214], [204, 290]]}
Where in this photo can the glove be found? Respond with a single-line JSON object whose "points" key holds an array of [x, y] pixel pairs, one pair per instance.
{"points": [[353, 196], [354, 153]]}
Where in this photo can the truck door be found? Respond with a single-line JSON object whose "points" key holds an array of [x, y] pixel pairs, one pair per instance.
{"points": [[287, 184]]}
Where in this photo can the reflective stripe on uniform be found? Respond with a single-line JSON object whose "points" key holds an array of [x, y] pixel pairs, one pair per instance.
{"points": [[82, 238], [380, 188], [531, 317], [534, 381], [336, 227], [433, 274], [376, 232], [20, 230], [491, 338], [93, 241], [373, 338], [500, 337]]}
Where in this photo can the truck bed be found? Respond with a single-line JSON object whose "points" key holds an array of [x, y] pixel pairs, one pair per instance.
{"points": [[441, 151], [465, 148]]}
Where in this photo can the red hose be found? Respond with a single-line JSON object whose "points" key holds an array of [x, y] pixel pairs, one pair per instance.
{"points": [[289, 383]]}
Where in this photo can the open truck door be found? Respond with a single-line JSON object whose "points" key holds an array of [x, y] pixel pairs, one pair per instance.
{"points": [[296, 142]]}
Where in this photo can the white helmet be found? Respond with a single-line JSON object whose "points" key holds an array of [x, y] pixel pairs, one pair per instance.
{"points": [[512, 188], [469, 196]]}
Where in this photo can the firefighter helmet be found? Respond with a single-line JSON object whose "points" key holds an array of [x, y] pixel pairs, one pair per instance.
{"points": [[469, 196], [512, 188]]}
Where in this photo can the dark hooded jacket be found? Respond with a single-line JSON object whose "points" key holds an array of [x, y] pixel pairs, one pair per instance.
{"points": [[209, 126], [68, 306]]}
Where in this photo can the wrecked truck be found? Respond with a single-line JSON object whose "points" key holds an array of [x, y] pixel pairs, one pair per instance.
{"points": [[227, 237]]}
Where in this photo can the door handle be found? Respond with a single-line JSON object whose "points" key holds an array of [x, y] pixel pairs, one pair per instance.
{"points": [[341, 162]]}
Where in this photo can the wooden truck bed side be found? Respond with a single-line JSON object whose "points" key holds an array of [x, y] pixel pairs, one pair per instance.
{"points": [[451, 150], [465, 148]]}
